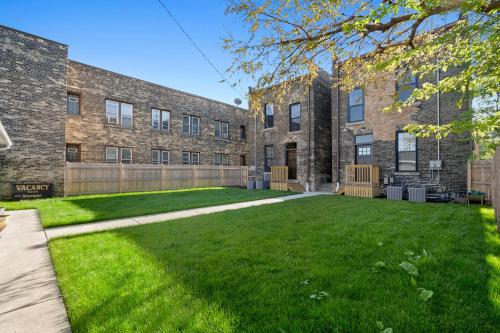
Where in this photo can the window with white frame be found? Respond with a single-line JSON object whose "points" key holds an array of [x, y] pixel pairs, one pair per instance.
{"points": [[111, 154], [190, 125], [159, 156], [221, 159], [73, 104], [160, 120], [221, 129], [119, 113], [190, 158], [126, 155]]}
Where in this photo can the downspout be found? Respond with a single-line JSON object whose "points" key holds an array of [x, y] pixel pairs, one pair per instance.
{"points": [[308, 137], [438, 100], [337, 106]]}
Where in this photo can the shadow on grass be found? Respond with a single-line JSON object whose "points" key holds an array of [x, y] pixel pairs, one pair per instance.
{"points": [[254, 270]]}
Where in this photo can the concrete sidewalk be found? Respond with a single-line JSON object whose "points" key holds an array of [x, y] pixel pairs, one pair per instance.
{"points": [[30, 300], [127, 222]]}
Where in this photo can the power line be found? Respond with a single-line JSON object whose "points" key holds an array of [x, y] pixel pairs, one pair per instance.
{"points": [[200, 50]]}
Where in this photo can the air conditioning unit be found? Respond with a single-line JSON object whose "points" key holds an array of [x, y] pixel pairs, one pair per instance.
{"points": [[394, 193], [417, 194]]}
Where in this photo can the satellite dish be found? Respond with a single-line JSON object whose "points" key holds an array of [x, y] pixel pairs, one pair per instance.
{"points": [[237, 101]]}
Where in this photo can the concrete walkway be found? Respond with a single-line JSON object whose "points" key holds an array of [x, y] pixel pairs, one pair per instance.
{"points": [[127, 222], [30, 300]]}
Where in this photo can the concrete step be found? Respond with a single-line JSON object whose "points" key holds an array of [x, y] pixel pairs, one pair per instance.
{"points": [[325, 187]]}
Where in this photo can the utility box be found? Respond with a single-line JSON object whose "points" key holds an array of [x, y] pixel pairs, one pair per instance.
{"points": [[436, 165], [394, 193], [416, 194], [251, 185]]}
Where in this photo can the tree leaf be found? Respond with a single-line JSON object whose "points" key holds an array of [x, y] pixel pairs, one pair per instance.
{"points": [[425, 294], [410, 268], [387, 330], [380, 325]]}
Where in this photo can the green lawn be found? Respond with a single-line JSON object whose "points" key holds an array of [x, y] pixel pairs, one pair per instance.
{"points": [[56, 212], [256, 269]]}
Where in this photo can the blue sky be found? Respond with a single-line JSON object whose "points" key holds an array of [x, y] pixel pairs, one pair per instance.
{"points": [[137, 38]]}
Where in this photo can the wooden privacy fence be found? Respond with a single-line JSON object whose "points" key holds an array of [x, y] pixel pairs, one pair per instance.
{"points": [[92, 178], [480, 176], [279, 178], [362, 180]]}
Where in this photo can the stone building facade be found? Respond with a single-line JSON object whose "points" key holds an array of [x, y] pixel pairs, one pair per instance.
{"points": [[55, 110], [91, 132], [299, 134], [33, 76], [379, 137]]}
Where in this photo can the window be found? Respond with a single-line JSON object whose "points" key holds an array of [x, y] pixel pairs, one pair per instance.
{"points": [[221, 130], [243, 132], [126, 154], [72, 153], [112, 108], [190, 125], [73, 104], [155, 119], [269, 115], [186, 157], [356, 106], [268, 157], [155, 156], [126, 111], [243, 160], [160, 156], [119, 113], [190, 158], [364, 139], [221, 159], [111, 155], [406, 83], [294, 117], [195, 158], [406, 151], [160, 120]]}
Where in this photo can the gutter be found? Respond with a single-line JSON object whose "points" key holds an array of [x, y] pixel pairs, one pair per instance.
{"points": [[5, 142]]}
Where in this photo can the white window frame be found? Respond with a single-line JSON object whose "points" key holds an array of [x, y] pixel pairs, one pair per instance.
{"points": [[119, 114], [155, 119], [157, 160], [108, 153], [167, 160], [191, 126], [121, 155], [184, 154], [217, 159], [193, 159], [225, 160]]}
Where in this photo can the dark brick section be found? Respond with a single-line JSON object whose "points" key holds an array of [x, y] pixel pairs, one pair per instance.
{"points": [[32, 109], [454, 151], [90, 130], [313, 140]]}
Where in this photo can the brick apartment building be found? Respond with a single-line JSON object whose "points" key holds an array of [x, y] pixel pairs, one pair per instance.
{"points": [[57, 110], [363, 134], [295, 132]]}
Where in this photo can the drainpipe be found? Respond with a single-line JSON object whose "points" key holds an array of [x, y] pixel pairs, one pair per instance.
{"points": [[438, 78], [337, 107], [308, 137]]}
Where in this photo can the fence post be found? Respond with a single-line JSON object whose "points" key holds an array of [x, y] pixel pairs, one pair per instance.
{"points": [[194, 181], [120, 179], [162, 168], [221, 176]]}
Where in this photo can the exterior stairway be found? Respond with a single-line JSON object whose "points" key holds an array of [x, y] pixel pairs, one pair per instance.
{"points": [[325, 187]]}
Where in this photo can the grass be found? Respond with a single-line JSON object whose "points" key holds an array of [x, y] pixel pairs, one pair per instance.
{"points": [[56, 212], [254, 270]]}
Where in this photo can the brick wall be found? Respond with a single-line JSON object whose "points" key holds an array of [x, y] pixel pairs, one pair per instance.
{"points": [[315, 129], [32, 109], [91, 131], [454, 151]]}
